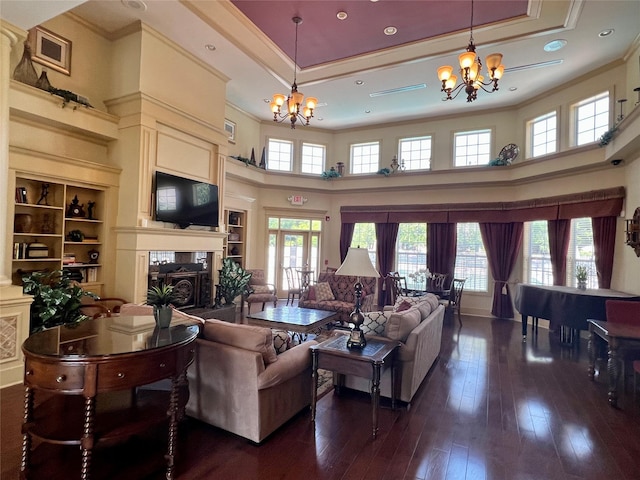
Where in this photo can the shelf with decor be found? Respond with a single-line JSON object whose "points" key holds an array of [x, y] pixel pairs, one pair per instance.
{"points": [[57, 225], [234, 245]]}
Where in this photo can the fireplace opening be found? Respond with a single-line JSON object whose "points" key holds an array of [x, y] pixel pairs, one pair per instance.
{"points": [[188, 272]]}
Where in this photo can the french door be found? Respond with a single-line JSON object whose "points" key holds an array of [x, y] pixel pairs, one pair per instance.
{"points": [[299, 250]]}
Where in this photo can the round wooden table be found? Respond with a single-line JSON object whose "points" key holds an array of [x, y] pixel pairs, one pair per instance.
{"points": [[81, 365]]}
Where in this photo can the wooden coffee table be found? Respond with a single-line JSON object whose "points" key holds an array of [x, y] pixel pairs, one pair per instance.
{"points": [[369, 362], [293, 319]]}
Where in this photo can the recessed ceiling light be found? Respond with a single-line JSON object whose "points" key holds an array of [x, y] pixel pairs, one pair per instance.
{"points": [[266, 100], [367, 111], [359, 82], [555, 45], [135, 5], [390, 30], [513, 89], [209, 46], [342, 15], [606, 33], [320, 119]]}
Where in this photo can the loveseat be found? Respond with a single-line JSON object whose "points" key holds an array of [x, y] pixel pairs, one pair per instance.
{"points": [[238, 383], [417, 323], [335, 293]]}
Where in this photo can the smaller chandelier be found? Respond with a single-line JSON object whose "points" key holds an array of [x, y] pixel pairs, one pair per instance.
{"points": [[294, 109], [470, 68]]}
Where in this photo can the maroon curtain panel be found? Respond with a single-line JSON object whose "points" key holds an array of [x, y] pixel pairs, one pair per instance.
{"points": [[386, 235], [502, 241], [559, 232], [442, 240], [604, 242], [346, 235]]}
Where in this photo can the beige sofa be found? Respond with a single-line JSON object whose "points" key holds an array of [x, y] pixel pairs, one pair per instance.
{"points": [[419, 330], [239, 384]]}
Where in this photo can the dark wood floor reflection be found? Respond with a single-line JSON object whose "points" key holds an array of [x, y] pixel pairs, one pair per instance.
{"points": [[492, 408]]}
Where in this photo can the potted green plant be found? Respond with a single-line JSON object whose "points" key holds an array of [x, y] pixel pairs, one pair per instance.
{"points": [[57, 299], [233, 280], [161, 297], [581, 275]]}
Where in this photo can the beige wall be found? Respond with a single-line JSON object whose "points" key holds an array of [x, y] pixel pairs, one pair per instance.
{"points": [[137, 76]]}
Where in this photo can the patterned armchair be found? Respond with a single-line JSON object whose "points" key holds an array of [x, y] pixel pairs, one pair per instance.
{"points": [[259, 291]]}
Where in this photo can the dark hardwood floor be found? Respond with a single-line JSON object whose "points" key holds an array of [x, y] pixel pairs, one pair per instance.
{"points": [[491, 408]]}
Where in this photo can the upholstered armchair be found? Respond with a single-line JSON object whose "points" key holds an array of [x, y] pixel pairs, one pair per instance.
{"points": [[259, 291]]}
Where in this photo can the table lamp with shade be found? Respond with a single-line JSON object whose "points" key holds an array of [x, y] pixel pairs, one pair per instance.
{"points": [[357, 264]]}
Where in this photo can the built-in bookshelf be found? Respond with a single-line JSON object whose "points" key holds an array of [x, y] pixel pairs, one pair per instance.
{"points": [[234, 247], [58, 225]]}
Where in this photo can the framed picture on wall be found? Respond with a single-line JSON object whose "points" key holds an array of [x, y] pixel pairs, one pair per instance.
{"points": [[50, 50], [230, 128]]}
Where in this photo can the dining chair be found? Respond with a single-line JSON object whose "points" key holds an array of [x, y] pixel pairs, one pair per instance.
{"points": [[293, 285], [397, 286], [438, 281], [259, 291], [455, 297]]}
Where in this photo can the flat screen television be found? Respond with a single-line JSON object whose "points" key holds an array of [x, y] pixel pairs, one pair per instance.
{"points": [[185, 202]]}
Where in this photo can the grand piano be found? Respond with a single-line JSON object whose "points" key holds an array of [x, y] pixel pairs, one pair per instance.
{"points": [[567, 306]]}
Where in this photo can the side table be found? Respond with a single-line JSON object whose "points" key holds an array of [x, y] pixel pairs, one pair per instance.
{"points": [[370, 362]]}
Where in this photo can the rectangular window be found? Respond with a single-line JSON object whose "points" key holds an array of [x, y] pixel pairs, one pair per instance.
{"points": [[280, 155], [536, 253], [591, 118], [543, 134], [581, 252], [365, 157], [538, 259], [364, 236], [411, 254], [471, 258], [313, 158], [415, 153], [472, 148]]}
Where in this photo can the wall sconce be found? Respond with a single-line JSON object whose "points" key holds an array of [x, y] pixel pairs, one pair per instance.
{"points": [[633, 232]]}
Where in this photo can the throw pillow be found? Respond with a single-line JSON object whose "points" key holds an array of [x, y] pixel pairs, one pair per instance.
{"points": [[311, 295], [401, 324], [425, 309], [403, 306], [374, 323], [281, 340], [323, 292], [411, 300], [432, 300]]}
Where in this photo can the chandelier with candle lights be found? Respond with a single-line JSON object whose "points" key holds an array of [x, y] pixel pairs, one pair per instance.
{"points": [[470, 72]]}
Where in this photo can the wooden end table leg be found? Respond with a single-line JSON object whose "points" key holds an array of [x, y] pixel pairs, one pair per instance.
{"points": [[173, 427], [591, 346], [375, 397], [86, 442], [26, 437], [314, 391], [613, 369], [525, 319]]}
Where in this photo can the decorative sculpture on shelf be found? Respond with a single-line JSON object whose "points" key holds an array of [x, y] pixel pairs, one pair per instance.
{"points": [[44, 194]]}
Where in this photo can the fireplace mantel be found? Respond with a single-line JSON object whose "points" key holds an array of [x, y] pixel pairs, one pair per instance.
{"points": [[133, 245]]}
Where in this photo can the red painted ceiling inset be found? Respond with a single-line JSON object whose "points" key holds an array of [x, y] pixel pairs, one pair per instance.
{"points": [[322, 38]]}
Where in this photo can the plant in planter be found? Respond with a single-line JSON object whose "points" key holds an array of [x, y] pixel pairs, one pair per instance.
{"points": [[233, 280], [581, 275], [161, 298], [57, 299]]}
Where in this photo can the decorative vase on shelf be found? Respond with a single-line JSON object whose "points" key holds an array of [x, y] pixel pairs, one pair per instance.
{"points": [[162, 315], [24, 71], [22, 222], [582, 284], [43, 82]]}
